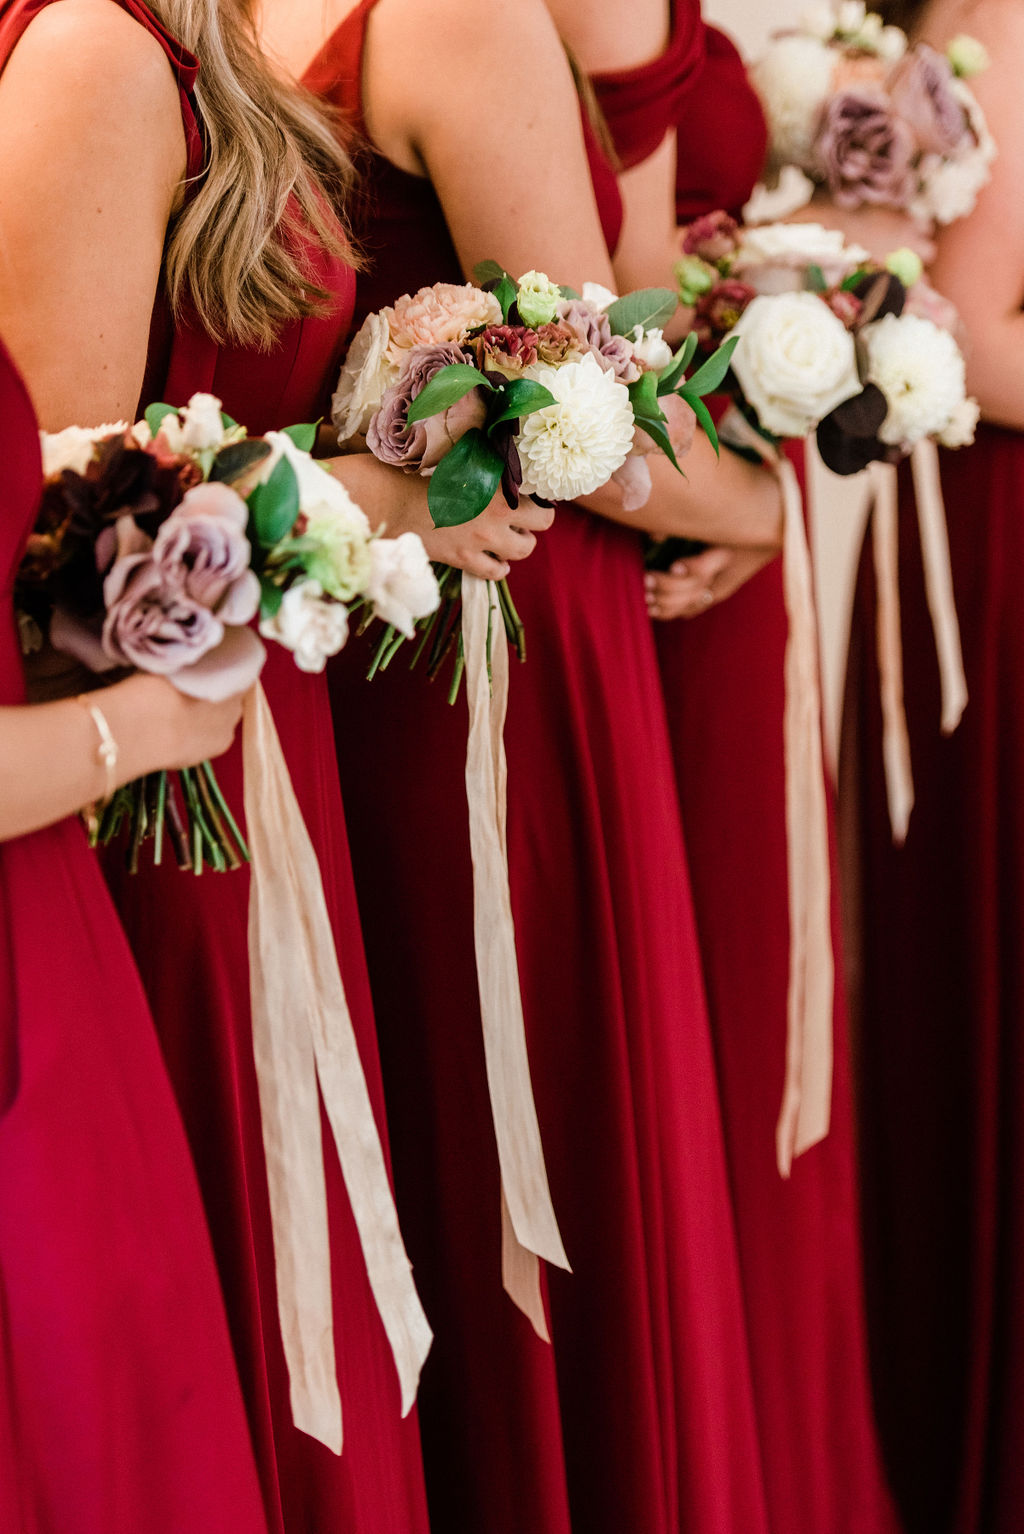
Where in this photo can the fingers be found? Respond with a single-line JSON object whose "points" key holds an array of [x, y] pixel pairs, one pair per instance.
{"points": [[528, 514], [483, 564], [676, 594], [508, 543]]}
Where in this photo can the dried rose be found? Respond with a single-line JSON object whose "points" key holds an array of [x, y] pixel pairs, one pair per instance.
{"points": [[712, 237], [865, 151], [506, 349], [422, 445]]}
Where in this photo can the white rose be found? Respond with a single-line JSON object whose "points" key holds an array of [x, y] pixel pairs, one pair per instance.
{"points": [[320, 494], [792, 191], [650, 348], [602, 298], [795, 362], [963, 423], [365, 374], [793, 80], [309, 624], [574, 446], [798, 246], [402, 585], [920, 370], [201, 424], [173, 433], [73, 447]]}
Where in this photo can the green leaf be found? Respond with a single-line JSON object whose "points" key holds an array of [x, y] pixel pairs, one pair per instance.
{"points": [[520, 397], [703, 415], [671, 376], [304, 436], [233, 462], [650, 307], [643, 396], [447, 386], [816, 279], [655, 429], [505, 292], [488, 271], [855, 279], [271, 597], [465, 481], [570, 294], [228, 423], [709, 376], [274, 506], [155, 414]]}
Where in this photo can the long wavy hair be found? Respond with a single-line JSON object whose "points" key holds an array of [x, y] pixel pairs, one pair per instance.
{"points": [[276, 178]]}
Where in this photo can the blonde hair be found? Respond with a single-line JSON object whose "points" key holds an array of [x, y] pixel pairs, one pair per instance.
{"points": [[276, 177]]}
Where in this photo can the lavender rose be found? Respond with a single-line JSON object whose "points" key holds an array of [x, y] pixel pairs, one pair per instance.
{"points": [[202, 546], [923, 95], [594, 334], [864, 151], [422, 445], [151, 623]]}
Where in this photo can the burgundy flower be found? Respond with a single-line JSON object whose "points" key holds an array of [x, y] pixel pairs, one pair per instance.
{"points": [[719, 309], [506, 349], [922, 92], [712, 237], [845, 306], [555, 342], [422, 445], [865, 150]]}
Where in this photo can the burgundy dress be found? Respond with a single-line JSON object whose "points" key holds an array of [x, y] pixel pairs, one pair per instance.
{"points": [[120, 1409], [190, 941], [941, 1026], [723, 682], [639, 1417]]}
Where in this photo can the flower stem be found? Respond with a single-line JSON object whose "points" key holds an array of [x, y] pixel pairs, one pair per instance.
{"points": [[243, 847]]}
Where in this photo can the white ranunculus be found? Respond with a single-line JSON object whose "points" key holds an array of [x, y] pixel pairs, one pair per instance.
{"points": [[309, 624], [793, 80], [962, 424], [791, 192], [797, 246], [650, 348], [402, 585], [365, 374], [891, 45], [201, 424], [920, 370], [73, 447], [320, 493], [795, 362], [574, 446]]}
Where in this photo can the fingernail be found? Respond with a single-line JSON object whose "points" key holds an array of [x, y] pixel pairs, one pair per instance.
{"points": [[680, 567]]}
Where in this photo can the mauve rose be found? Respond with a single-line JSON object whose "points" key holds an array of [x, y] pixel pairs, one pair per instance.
{"points": [[556, 343], [422, 445], [617, 357], [923, 95], [151, 624], [712, 237], [864, 151], [718, 311], [506, 349], [203, 546], [593, 333]]}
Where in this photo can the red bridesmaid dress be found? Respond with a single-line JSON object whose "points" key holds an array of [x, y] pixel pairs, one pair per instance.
{"points": [[941, 1021], [120, 1409], [639, 1417], [190, 941], [723, 682]]}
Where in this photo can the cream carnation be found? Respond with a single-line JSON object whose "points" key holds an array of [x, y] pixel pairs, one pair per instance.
{"points": [[574, 446], [73, 447], [795, 362], [402, 585], [920, 370], [365, 375], [597, 294], [962, 424], [793, 80], [434, 316], [308, 624]]}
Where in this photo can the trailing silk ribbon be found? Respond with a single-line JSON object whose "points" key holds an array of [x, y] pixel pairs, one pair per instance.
{"points": [[302, 1034], [807, 1094], [938, 577], [529, 1227]]}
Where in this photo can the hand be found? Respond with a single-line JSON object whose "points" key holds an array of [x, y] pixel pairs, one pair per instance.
{"points": [[159, 729], [694, 585]]}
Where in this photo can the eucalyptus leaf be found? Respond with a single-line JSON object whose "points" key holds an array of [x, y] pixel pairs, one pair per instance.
{"points": [[520, 397], [465, 481], [446, 387], [709, 375], [650, 307], [304, 436], [569, 294], [234, 462], [155, 414], [274, 506], [488, 271]]}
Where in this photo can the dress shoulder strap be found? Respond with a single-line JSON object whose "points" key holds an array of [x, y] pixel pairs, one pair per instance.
{"points": [[640, 105]]}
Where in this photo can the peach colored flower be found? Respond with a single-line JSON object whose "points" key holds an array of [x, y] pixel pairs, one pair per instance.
{"points": [[438, 315]]}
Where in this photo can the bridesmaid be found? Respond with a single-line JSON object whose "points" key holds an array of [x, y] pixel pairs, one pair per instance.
{"points": [[639, 1417], [119, 1401], [942, 1043], [690, 136], [172, 274]]}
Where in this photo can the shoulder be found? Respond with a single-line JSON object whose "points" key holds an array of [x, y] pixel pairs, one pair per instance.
{"points": [[465, 32], [99, 51]]}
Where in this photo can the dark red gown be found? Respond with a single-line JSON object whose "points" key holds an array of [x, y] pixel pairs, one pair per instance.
{"points": [[941, 1025], [190, 941], [723, 682], [639, 1417], [120, 1409]]}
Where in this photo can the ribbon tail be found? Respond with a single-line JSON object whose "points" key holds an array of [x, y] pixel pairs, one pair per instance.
{"points": [[524, 1177], [520, 1276], [899, 778], [302, 1036], [938, 578]]}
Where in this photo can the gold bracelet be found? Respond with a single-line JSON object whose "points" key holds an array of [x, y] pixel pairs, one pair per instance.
{"points": [[106, 751]]}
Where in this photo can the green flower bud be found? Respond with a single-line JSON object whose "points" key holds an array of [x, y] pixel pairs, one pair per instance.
{"points": [[537, 299], [905, 264], [694, 277], [967, 56]]}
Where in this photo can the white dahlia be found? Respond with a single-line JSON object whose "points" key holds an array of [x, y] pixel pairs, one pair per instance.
{"points": [[793, 80], [920, 370], [574, 446]]}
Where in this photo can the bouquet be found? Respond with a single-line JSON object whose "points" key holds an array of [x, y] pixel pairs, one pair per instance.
{"points": [[862, 354], [154, 549], [851, 106], [525, 387]]}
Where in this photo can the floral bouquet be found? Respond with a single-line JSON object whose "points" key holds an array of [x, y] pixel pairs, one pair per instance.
{"points": [[853, 107], [523, 387], [861, 354], [154, 549]]}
